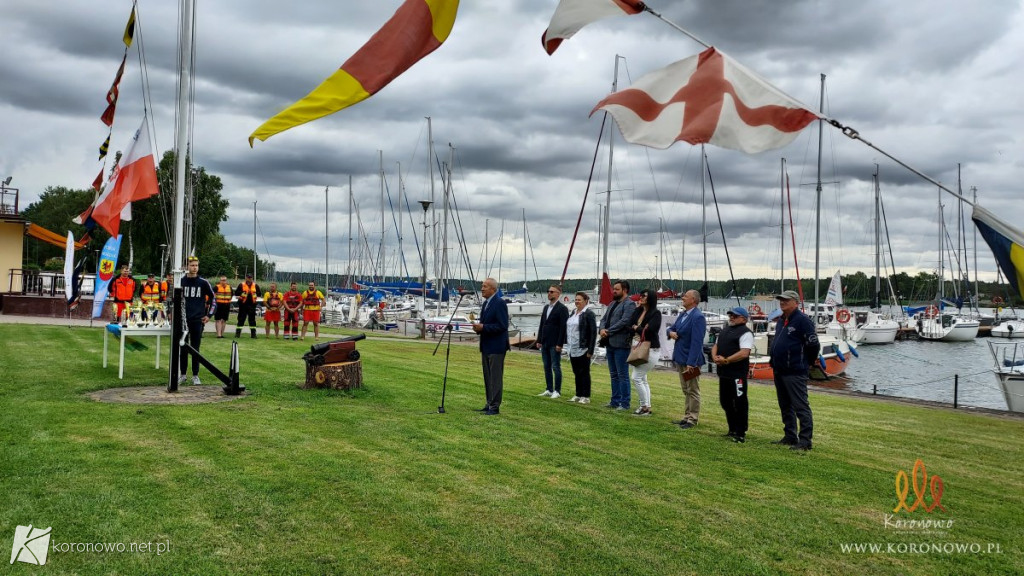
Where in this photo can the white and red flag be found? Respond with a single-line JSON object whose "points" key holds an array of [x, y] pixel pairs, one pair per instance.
{"points": [[708, 98], [135, 179], [571, 15]]}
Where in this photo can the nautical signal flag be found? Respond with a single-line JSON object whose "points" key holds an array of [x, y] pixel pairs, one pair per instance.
{"points": [[418, 28], [108, 114], [708, 98], [104, 148], [129, 29], [1007, 244], [572, 15], [135, 180]]}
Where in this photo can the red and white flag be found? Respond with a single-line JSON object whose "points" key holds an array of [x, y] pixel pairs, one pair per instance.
{"points": [[135, 180], [571, 15], [708, 98]]}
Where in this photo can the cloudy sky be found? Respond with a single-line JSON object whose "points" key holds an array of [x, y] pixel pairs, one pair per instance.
{"points": [[935, 83]]}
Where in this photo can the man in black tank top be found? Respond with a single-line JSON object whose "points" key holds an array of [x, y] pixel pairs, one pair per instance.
{"points": [[731, 353]]}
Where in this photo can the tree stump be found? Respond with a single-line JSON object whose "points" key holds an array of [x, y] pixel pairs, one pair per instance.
{"points": [[340, 376]]}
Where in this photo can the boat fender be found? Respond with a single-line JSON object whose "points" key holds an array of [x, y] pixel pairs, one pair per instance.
{"points": [[821, 361], [853, 350], [839, 353]]}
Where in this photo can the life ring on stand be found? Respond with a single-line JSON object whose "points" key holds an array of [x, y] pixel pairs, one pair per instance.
{"points": [[755, 309], [843, 316], [931, 311], [997, 299]]}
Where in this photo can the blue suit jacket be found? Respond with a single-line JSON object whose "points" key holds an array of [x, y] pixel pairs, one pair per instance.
{"points": [[689, 348], [494, 336]]}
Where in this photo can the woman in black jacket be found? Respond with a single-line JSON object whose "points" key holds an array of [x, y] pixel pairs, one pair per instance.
{"points": [[581, 337], [646, 323]]}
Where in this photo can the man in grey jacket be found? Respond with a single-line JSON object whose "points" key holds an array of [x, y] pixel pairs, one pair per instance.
{"points": [[617, 333]]}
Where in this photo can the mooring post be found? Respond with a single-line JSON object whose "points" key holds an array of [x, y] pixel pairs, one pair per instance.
{"points": [[956, 388]]}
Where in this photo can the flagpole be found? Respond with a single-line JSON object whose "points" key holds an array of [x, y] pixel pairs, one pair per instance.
{"points": [[676, 26]]}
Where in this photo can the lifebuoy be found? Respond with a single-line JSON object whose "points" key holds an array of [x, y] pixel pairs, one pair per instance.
{"points": [[756, 309], [997, 299], [843, 316], [931, 311]]}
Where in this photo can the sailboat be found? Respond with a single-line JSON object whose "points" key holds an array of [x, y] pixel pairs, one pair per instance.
{"points": [[933, 323], [836, 351], [877, 328]]}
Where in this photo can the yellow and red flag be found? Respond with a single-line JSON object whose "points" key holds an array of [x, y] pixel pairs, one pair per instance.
{"points": [[418, 28]]}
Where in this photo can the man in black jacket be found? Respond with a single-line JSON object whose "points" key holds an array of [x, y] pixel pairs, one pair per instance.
{"points": [[550, 339], [793, 350], [731, 352], [199, 304]]}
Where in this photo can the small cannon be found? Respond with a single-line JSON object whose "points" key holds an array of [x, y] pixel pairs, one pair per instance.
{"points": [[340, 350]]}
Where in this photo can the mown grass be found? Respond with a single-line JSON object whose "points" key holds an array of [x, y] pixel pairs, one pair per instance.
{"points": [[289, 481]]}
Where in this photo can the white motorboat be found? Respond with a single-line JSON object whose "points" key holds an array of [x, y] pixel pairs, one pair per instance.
{"points": [[1008, 367], [945, 327], [1009, 329], [877, 329]]}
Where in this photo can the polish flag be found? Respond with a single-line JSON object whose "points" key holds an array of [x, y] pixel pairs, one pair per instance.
{"points": [[135, 180], [571, 15], [708, 98]]}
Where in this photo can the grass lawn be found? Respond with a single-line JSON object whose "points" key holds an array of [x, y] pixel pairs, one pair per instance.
{"points": [[287, 481]]}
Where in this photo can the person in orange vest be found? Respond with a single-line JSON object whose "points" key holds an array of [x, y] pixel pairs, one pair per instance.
{"points": [[312, 301], [292, 306], [122, 290], [166, 285], [150, 291], [273, 301], [222, 293], [247, 293]]}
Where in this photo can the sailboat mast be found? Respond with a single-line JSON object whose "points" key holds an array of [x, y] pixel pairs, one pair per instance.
{"points": [[447, 207], [817, 200], [782, 226], [974, 243], [254, 239], [524, 247], [327, 241], [942, 262], [350, 211], [877, 303], [608, 196], [380, 165], [703, 212], [401, 220], [433, 204], [178, 250]]}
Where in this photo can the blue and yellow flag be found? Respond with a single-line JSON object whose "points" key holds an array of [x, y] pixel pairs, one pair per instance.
{"points": [[1007, 244]]}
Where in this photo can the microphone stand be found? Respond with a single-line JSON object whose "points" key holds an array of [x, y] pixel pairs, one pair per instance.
{"points": [[448, 350]]}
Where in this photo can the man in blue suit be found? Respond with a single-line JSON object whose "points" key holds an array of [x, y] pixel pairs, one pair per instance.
{"points": [[688, 355], [615, 328], [493, 331]]}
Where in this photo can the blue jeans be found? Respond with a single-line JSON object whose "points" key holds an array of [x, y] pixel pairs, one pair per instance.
{"points": [[619, 370], [552, 368]]}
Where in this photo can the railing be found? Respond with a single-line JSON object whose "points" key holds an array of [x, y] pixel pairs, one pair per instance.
{"points": [[36, 283], [8, 201]]}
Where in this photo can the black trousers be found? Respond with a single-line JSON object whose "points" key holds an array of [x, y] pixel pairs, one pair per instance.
{"points": [[732, 393], [791, 391], [494, 374], [195, 338], [246, 311], [581, 373]]}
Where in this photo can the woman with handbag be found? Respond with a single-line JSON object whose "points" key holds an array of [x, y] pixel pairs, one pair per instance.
{"points": [[581, 335], [646, 323]]}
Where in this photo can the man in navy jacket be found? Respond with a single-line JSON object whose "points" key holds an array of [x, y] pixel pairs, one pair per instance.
{"points": [[794, 348], [493, 331], [688, 354], [551, 337]]}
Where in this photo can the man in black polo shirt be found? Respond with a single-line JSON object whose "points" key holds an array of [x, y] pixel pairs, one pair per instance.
{"points": [[731, 353]]}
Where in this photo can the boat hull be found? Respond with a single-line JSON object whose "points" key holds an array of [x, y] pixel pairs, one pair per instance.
{"points": [[876, 333]]}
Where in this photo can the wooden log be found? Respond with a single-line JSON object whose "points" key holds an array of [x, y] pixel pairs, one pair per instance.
{"points": [[340, 376]]}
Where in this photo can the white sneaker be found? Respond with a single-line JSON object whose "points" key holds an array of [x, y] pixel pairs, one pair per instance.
{"points": [[574, 399], [183, 379], [195, 381], [545, 393], [555, 394], [584, 400]]}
